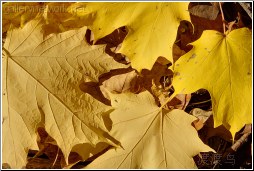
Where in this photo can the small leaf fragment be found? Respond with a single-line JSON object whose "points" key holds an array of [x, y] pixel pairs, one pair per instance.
{"points": [[205, 11]]}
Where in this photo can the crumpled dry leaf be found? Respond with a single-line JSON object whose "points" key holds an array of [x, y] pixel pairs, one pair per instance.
{"points": [[41, 80], [120, 84], [205, 11], [150, 137], [202, 116], [201, 24]]}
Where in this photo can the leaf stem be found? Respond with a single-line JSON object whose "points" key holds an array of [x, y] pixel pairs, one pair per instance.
{"points": [[191, 104], [56, 158], [223, 19]]}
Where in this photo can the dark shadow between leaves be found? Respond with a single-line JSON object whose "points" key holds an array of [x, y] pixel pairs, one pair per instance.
{"points": [[93, 89], [96, 151], [112, 42]]}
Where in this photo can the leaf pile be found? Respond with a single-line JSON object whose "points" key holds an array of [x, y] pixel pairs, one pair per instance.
{"points": [[95, 109]]}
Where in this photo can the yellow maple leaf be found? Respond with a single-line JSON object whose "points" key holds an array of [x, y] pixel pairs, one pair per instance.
{"points": [[222, 65], [150, 137], [152, 27], [41, 86]]}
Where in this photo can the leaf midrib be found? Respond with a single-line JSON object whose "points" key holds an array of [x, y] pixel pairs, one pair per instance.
{"points": [[55, 97]]}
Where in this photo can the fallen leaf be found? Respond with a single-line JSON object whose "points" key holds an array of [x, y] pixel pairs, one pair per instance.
{"points": [[222, 65], [150, 137], [41, 80], [18, 129], [152, 27], [201, 24], [120, 83], [205, 11], [201, 115]]}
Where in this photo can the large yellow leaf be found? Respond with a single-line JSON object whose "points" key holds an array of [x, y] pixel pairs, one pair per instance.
{"points": [[150, 137], [222, 65], [152, 27], [41, 80], [20, 115]]}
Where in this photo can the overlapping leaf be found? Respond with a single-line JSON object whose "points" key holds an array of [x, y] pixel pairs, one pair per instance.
{"points": [[150, 137], [222, 65], [152, 27], [41, 86], [19, 13], [57, 18], [43, 75]]}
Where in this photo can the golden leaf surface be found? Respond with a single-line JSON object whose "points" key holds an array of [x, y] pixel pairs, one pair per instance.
{"points": [[41, 79], [152, 27], [150, 137], [222, 65], [56, 16], [19, 13], [58, 19]]}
